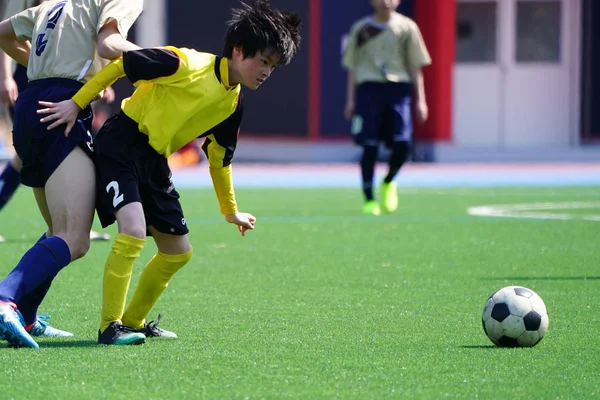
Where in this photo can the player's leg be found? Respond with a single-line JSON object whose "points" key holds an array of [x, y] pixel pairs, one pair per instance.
{"points": [[119, 200], [173, 253], [71, 218], [10, 179], [398, 135], [30, 303], [367, 169], [126, 249], [169, 230], [365, 128]]}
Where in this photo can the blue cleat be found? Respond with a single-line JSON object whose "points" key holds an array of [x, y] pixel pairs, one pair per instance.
{"points": [[42, 328], [11, 328]]}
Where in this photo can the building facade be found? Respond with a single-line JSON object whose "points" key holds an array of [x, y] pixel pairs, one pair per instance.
{"points": [[505, 73]]}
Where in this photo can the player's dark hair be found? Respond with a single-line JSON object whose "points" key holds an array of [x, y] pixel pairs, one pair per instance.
{"points": [[258, 28]]}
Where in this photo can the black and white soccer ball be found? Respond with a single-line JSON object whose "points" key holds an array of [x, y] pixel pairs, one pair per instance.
{"points": [[515, 316]]}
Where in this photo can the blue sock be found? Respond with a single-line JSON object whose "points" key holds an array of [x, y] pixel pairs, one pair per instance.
{"points": [[37, 268], [29, 304], [10, 179]]}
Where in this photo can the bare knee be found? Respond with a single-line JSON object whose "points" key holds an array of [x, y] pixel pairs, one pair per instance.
{"points": [[78, 245], [131, 220], [138, 232]]}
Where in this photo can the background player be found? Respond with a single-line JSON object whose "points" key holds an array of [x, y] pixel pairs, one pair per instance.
{"points": [[384, 57]]}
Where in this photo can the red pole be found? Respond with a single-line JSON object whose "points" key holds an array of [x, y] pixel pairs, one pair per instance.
{"points": [[314, 70], [437, 21]]}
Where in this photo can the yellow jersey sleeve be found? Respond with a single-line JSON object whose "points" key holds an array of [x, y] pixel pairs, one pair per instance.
{"points": [[221, 178], [102, 80], [219, 146]]}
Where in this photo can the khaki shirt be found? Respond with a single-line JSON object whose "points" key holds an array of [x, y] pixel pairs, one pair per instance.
{"points": [[385, 52], [64, 35]]}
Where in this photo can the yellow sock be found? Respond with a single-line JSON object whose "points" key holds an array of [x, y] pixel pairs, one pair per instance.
{"points": [[117, 275], [153, 282]]}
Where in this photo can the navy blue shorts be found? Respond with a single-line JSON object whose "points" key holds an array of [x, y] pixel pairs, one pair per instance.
{"points": [[382, 114], [41, 150]]}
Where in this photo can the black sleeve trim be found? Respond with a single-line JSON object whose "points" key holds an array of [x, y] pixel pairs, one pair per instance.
{"points": [[218, 68], [226, 133], [148, 64]]}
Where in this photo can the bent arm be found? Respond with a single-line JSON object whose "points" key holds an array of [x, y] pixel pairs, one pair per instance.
{"points": [[111, 44], [14, 48]]}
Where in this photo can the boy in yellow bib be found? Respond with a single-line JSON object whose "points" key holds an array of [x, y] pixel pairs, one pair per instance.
{"points": [[181, 94]]}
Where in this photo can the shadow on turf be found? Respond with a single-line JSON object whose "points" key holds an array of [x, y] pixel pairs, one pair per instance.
{"points": [[490, 346], [545, 278], [69, 343]]}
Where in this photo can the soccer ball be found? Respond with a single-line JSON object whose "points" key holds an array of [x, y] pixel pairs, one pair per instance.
{"points": [[515, 316]]}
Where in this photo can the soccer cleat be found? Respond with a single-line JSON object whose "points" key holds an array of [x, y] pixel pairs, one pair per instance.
{"points": [[389, 196], [2, 240], [371, 208], [118, 334], [42, 328], [99, 237], [151, 329], [11, 328]]}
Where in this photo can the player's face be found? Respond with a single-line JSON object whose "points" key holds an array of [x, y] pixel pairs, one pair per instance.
{"points": [[253, 71], [385, 5]]}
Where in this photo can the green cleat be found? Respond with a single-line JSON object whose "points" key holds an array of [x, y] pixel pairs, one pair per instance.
{"points": [[371, 208], [389, 196], [121, 335]]}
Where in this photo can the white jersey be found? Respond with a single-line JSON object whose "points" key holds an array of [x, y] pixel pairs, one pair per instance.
{"points": [[64, 33]]}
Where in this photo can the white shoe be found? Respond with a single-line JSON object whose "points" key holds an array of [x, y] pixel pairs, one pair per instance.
{"points": [[99, 237]]}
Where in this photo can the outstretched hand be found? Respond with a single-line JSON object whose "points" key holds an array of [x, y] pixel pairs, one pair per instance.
{"points": [[244, 221], [65, 112]]}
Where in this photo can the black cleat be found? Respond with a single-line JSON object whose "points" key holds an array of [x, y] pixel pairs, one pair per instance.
{"points": [[118, 334], [151, 329]]}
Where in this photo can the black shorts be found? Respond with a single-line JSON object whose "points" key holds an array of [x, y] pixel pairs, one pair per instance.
{"points": [[129, 170]]}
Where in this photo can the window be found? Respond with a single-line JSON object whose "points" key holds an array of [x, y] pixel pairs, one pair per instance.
{"points": [[476, 32], [538, 31]]}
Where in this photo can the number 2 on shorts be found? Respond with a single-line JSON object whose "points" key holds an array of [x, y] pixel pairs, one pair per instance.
{"points": [[117, 197]]}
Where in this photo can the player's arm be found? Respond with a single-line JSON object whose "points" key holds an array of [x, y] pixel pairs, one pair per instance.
{"points": [[111, 43], [115, 19], [417, 58], [416, 77], [8, 87], [349, 62], [17, 49], [219, 146]]}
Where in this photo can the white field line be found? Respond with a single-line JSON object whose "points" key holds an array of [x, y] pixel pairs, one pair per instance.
{"points": [[532, 210]]}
